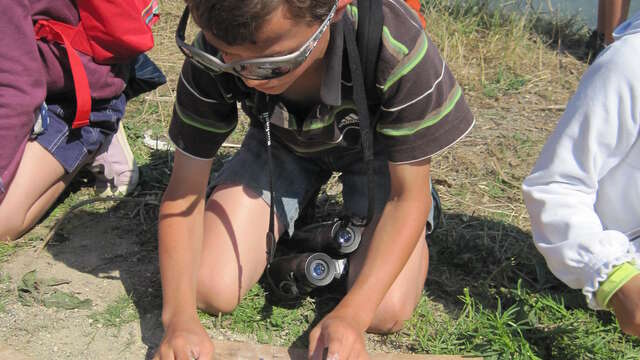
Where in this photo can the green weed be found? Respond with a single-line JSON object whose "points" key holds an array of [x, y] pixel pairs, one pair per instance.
{"points": [[120, 312], [269, 324], [6, 249], [5, 291], [504, 82]]}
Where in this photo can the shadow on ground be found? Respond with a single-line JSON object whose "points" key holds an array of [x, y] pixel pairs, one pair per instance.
{"points": [[120, 242], [487, 257]]}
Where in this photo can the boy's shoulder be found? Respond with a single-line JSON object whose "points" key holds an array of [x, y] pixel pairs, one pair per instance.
{"points": [[404, 44], [402, 29]]}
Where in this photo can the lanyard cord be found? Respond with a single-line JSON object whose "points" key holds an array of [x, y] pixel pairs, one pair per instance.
{"points": [[263, 108]]}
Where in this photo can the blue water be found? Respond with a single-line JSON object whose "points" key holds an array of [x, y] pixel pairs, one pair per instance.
{"points": [[585, 9]]}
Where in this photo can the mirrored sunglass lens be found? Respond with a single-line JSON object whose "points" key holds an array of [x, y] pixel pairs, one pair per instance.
{"points": [[266, 71]]}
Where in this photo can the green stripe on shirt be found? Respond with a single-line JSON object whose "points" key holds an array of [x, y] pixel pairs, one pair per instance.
{"points": [[193, 121], [395, 47], [431, 119], [408, 63], [353, 14]]}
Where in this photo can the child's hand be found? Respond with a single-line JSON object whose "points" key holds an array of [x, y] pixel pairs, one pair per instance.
{"points": [[185, 339], [340, 335], [626, 305]]}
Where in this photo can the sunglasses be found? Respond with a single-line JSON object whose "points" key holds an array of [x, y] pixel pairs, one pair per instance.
{"points": [[264, 68]]}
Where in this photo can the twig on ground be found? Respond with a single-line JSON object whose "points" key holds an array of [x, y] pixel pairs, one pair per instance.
{"points": [[498, 169], [552, 107]]}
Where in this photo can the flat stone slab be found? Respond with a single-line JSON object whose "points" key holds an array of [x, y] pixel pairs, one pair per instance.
{"points": [[236, 350]]}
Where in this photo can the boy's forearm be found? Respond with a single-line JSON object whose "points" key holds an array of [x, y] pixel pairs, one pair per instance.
{"points": [[393, 242], [180, 241]]}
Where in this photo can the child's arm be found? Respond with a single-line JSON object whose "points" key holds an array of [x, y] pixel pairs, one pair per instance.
{"points": [[394, 239], [591, 143], [22, 86], [626, 305], [180, 240]]}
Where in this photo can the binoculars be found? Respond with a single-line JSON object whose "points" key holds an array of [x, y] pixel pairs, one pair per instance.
{"points": [[320, 257]]}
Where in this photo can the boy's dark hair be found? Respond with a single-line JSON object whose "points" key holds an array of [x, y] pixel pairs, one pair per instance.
{"points": [[236, 22]]}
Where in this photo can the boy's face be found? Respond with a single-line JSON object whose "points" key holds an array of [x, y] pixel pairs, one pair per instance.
{"points": [[280, 35]]}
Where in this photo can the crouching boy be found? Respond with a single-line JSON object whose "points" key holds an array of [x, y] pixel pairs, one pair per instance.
{"points": [[286, 61]]}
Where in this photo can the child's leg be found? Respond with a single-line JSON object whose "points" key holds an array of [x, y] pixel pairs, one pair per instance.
{"points": [[402, 298], [237, 218], [39, 180], [234, 249], [50, 162]]}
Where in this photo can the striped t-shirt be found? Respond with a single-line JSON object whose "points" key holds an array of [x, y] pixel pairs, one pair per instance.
{"points": [[422, 109]]}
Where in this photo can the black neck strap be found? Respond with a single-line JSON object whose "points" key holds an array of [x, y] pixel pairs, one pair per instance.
{"points": [[360, 99]]}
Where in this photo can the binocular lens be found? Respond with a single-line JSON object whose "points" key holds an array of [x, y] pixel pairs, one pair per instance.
{"points": [[344, 237], [319, 269]]}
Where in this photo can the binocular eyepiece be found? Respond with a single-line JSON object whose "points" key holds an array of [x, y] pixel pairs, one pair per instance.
{"points": [[317, 256], [338, 237], [298, 274]]}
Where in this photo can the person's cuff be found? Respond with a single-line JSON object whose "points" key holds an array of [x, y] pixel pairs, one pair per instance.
{"points": [[619, 276]]}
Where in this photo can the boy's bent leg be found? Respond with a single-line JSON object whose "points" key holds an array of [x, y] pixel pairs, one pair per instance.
{"points": [[237, 218], [38, 182], [234, 249], [402, 298]]}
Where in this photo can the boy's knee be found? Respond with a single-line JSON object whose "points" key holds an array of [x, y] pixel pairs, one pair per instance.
{"points": [[392, 313], [11, 226], [218, 295]]}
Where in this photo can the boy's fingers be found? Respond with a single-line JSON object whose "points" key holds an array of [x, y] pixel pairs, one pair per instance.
{"points": [[184, 354], [205, 353], [164, 354], [313, 342], [339, 347]]}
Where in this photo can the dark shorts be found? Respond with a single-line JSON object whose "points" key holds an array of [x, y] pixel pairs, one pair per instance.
{"points": [[72, 147], [296, 178]]}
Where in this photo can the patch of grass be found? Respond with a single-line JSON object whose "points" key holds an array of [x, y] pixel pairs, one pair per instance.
{"points": [[6, 249], [495, 190], [494, 51], [269, 324], [504, 82], [532, 326], [5, 291], [120, 312]]}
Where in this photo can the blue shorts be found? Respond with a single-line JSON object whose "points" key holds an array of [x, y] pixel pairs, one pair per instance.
{"points": [[296, 178], [73, 147]]}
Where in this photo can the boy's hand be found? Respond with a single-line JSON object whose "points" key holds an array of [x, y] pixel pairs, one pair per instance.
{"points": [[185, 340], [626, 305], [341, 335]]}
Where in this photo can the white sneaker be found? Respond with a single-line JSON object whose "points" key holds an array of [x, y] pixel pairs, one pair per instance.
{"points": [[114, 167]]}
